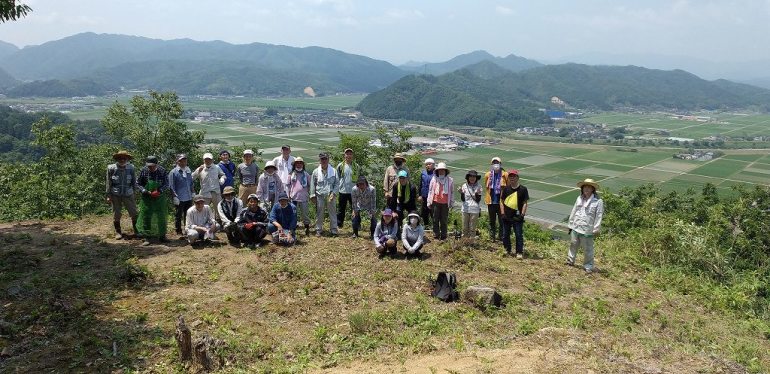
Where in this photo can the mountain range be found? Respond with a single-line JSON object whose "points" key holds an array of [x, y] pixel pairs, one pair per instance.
{"points": [[487, 95], [510, 62]]}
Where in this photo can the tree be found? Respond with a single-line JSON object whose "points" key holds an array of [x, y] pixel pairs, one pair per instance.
{"points": [[151, 126], [10, 10]]}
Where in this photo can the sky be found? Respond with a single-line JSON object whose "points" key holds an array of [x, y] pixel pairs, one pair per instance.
{"points": [[426, 30]]}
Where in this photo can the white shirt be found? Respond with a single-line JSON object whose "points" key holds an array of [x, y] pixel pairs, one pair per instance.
{"points": [[284, 168], [204, 218], [586, 216], [211, 178]]}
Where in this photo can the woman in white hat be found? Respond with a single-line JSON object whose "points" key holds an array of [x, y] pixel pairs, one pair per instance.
{"points": [[585, 221], [440, 200], [299, 191], [269, 186]]}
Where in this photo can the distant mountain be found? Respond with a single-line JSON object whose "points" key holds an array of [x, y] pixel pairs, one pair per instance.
{"points": [[58, 88], [6, 80], [484, 95], [511, 62], [759, 82], [86, 55], [7, 49]]}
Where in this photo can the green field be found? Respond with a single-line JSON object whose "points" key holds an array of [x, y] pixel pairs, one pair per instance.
{"points": [[720, 124]]}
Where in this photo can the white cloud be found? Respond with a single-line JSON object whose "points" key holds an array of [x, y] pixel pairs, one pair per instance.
{"points": [[503, 10]]}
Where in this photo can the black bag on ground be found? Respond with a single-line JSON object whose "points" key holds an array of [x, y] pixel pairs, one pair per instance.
{"points": [[444, 287]]}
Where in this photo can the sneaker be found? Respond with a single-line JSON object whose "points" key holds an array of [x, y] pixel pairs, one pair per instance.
{"points": [[118, 236], [589, 271], [318, 234], [519, 256], [145, 243], [354, 236], [569, 263], [252, 246]]}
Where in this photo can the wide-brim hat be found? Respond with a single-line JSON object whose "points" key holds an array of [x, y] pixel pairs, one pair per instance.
{"points": [[472, 173], [296, 160], [228, 190], [588, 182], [121, 154], [442, 166], [499, 161], [399, 156], [270, 164]]}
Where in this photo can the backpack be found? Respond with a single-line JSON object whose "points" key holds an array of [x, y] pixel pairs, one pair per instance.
{"points": [[444, 287]]}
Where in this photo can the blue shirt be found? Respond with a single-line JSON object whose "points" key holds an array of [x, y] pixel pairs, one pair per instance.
{"points": [[425, 178], [287, 217], [229, 170], [181, 183]]}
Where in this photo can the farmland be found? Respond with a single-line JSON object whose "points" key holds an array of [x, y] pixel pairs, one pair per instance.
{"points": [[550, 170], [718, 125]]}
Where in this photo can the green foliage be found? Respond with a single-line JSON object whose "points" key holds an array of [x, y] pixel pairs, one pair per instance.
{"points": [[59, 88], [12, 10], [150, 126]]}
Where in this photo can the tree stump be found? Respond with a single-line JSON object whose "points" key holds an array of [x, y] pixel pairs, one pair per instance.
{"points": [[183, 339], [208, 353]]}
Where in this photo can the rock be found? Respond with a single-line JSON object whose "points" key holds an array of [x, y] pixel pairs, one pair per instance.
{"points": [[6, 352], [14, 290], [483, 296]]}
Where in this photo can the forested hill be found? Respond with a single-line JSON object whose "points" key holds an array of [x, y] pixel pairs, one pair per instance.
{"points": [[118, 59], [6, 80], [511, 62], [490, 96]]}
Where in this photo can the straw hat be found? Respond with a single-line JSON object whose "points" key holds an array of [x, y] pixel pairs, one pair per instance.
{"points": [[399, 156], [472, 173], [588, 182], [296, 160], [122, 154]]}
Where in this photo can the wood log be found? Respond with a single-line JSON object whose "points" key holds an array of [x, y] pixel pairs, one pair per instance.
{"points": [[183, 339]]}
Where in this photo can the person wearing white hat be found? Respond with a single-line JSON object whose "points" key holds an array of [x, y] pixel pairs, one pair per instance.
{"points": [[441, 200], [585, 222], [211, 177], [247, 173], [269, 186], [299, 191], [283, 164], [495, 181], [425, 178]]}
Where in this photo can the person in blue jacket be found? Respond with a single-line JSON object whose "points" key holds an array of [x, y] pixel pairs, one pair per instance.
{"points": [[282, 224], [228, 167]]}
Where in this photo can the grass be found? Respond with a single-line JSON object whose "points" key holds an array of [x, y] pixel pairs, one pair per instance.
{"points": [[331, 304]]}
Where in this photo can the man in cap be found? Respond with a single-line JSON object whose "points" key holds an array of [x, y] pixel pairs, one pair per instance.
{"points": [[323, 192], [228, 168], [229, 208], [252, 223], [348, 172], [211, 177], [495, 181], [283, 164], [403, 198], [391, 174], [153, 183], [269, 186], [425, 178], [121, 185], [201, 225], [513, 208], [283, 221], [364, 199], [247, 173], [585, 222], [180, 184]]}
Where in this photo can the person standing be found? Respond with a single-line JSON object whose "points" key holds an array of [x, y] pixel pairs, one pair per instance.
{"points": [[585, 222], [425, 178], [441, 200], [283, 163], [153, 183], [247, 173], [323, 192], [200, 223], [228, 168], [228, 209], [252, 223], [513, 208], [121, 187], [364, 199], [180, 183], [282, 223], [391, 174], [403, 198], [211, 177], [348, 172], [470, 194], [269, 186], [299, 192], [494, 182]]}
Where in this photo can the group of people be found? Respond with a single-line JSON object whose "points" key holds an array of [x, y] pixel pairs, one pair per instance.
{"points": [[276, 200]]}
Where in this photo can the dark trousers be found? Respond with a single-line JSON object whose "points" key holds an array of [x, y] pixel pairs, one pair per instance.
{"points": [[518, 230], [232, 232], [357, 224], [344, 199], [254, 235], [495, 219], [440, 218], [425, 212], [180, 216]]}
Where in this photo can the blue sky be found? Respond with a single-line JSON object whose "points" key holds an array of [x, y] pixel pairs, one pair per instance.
{"points": [[398, 30]]}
